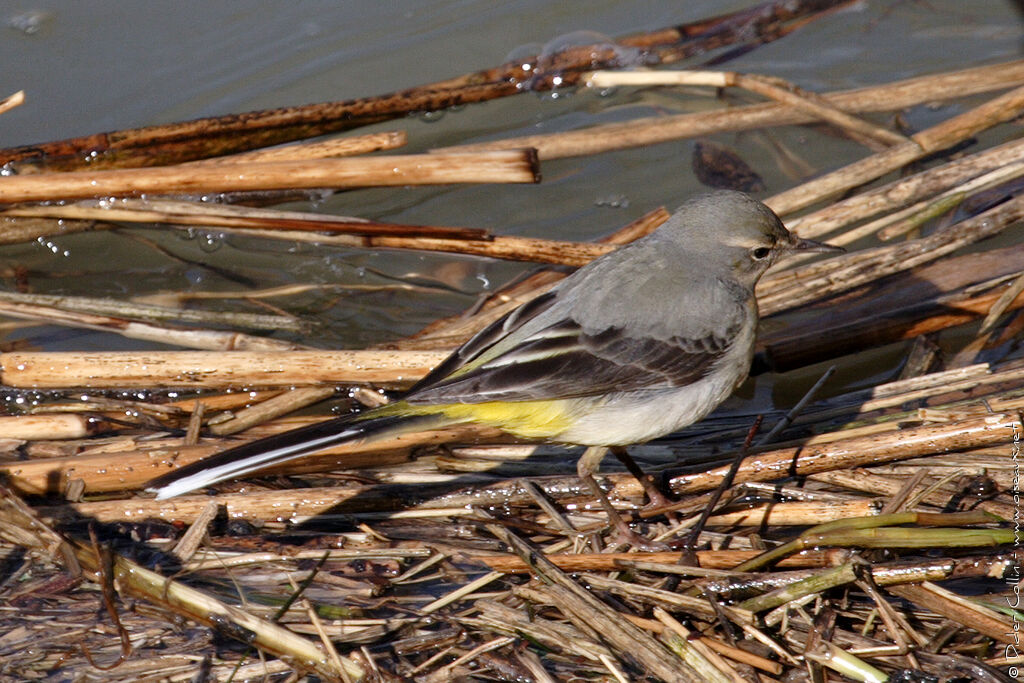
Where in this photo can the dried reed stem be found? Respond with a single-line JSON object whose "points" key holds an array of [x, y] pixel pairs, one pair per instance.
{"points": [[429, 169], [213, 369]]}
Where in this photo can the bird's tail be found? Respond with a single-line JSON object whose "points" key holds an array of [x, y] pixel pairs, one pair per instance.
{"points": [[256, 455]]}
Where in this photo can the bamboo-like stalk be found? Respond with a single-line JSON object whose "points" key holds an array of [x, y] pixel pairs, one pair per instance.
{"points": [[276, 406], [705, 661], [323, 149], [656, 129], [923, 300], [40, 427], [695, 606], [426, 169], [16, 230], [213, 369]]}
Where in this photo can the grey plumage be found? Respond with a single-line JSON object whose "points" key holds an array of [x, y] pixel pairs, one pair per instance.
{"points": [[643, 341]]}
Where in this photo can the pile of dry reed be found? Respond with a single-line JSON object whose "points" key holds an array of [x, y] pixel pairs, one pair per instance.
{"points": [[870, 535]]}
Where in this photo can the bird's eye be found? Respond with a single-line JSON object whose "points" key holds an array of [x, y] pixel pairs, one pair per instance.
{"points": [[760, 253]]}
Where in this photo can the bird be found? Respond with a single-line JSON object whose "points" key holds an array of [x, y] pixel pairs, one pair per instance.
{"points": [[635, 345]]}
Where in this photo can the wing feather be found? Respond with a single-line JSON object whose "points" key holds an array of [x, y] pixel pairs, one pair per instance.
{"points": [[564, 361]]}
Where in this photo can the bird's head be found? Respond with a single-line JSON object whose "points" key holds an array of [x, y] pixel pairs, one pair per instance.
{"points": [[736, 231]]}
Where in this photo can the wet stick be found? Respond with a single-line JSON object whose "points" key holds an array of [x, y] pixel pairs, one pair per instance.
{"points": [[348, 232], [429, 169]]}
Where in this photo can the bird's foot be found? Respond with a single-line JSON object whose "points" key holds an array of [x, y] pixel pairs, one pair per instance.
{"points": [[623, 534], [656, 497]]}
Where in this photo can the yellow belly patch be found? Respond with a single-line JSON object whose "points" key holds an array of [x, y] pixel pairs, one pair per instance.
{"points": [[527, 419]]}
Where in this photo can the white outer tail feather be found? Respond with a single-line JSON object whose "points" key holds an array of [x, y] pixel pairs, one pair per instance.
{"points": [[240, 468]]}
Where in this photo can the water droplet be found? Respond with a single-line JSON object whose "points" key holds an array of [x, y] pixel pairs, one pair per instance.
{"points": [[613, 201], [604, 53], [211, 241]]}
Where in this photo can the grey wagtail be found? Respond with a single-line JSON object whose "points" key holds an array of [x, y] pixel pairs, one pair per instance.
{"points": [[639, 343]]}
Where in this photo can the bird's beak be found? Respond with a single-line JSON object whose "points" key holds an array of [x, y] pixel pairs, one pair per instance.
{"points": [[801, 244]]}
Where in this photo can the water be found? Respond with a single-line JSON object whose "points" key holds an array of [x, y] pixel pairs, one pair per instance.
{"points": [[106, 65]]}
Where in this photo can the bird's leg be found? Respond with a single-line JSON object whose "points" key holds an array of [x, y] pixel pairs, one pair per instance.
{"points": [[655, 495], [586, 466]]}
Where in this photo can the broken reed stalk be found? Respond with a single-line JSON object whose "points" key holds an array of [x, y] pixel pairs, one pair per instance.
{"points": [[958, 609], [644, 131], [21, 527], [178, 142], [323, 149], [914, 216], [17, 230], [44, 427], [424, 169], [905, 308]]}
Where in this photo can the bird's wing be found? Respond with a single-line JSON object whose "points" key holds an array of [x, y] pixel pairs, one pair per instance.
{"points": [[482, 341], [564, 361]]}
